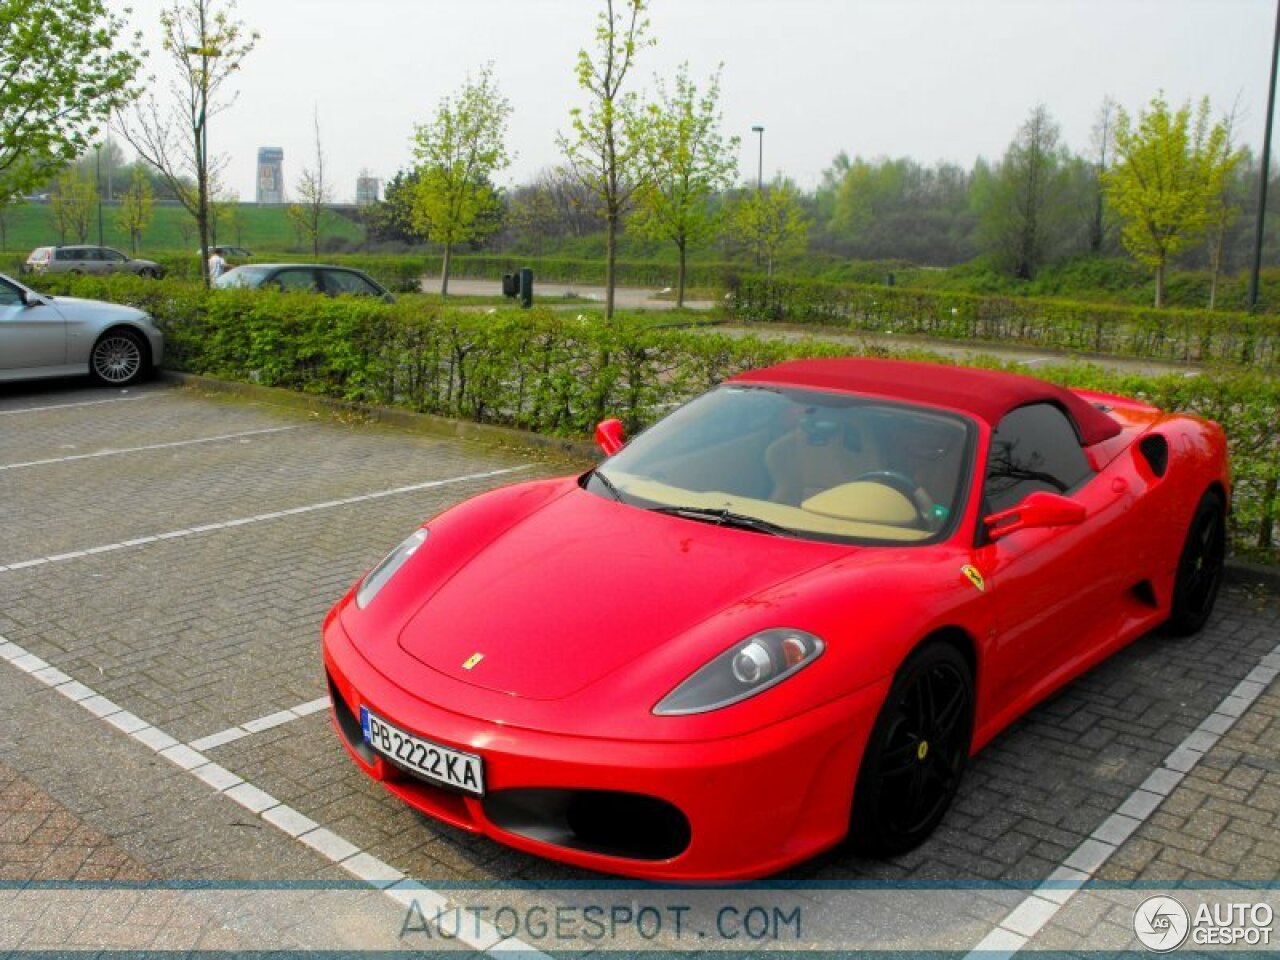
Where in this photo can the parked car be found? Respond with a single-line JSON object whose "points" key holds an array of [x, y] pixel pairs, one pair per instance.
{"points": [[89, 259], [44, 336], [304, 278], [783, 616], [230, 253]]}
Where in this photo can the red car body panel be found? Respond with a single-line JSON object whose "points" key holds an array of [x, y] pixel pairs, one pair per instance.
{"points": [[589, 611]]}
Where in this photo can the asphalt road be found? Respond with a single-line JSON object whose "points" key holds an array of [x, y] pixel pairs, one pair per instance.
{"points": [[166, 558]]}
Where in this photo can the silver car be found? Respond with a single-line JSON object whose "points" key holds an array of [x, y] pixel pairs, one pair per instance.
{"points": [[89, 259], [44, 336]]}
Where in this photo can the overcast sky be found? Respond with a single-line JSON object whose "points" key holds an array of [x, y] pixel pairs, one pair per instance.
{"points": [[931, 79]]}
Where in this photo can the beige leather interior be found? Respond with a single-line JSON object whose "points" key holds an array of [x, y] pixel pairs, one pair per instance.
{"points": [[865, 502], [804, 462]]}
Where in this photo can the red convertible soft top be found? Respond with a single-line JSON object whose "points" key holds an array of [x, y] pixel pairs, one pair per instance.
{"points": [[984, 394]]}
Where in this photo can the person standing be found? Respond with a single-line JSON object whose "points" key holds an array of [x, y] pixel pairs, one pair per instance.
{"points": [[217, 265]]}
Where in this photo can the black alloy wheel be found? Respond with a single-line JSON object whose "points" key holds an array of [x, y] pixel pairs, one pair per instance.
{"points": [[1200, 567], [916, 754]]}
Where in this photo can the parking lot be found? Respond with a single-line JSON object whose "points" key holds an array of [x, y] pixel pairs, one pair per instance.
{"points": [[166, 557]]}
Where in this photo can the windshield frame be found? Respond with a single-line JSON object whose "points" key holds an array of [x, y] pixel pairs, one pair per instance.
{"points": [[964, 487]]}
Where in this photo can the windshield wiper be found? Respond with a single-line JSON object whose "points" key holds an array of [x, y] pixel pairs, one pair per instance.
{"points": [[608, 485], [723, 517]]}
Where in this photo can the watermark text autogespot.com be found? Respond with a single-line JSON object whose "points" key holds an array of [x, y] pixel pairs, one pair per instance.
{"points": [[566, 925]]}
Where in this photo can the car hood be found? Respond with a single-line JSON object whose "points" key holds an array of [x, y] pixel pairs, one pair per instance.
{"points": [[585, 586], [78, 308]]}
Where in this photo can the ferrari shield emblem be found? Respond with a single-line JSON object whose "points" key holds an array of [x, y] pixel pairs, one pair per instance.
{"points": [[974, 576], [473, 661]]}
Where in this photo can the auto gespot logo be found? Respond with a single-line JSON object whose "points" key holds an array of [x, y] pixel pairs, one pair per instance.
{"points": [[1163, 924]]}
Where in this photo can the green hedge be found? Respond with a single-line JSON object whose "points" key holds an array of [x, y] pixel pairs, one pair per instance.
{"points": [[1197, 336], [557, 373]]}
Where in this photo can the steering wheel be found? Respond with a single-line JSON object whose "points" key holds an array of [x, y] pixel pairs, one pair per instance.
{"points": [[903, 485]]}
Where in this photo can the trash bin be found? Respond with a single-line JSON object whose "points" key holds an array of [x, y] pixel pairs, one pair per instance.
{"points": [[526, 288]]}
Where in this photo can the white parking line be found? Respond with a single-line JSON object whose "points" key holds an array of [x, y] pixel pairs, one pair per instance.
{"points": [[364, 866], [150, 446], [259, 518], [1015, 931], [250, 727], [68, 406]]}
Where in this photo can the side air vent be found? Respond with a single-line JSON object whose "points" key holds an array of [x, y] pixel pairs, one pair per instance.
{"points": [[1155, 450], [1144, 593]]}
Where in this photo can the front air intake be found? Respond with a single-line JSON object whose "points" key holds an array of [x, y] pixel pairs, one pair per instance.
{"points": [[606, 822]]}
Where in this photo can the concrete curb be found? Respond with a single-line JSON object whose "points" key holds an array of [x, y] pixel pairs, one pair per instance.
{"points": [[560, 448]]}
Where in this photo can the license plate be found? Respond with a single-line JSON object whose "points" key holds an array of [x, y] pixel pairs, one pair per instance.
{"points": [[452, 768]]}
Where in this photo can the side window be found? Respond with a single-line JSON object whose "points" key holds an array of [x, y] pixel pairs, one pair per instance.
{"points": [[338, 282], [114, 256], [1034, 448], [9, 296], [291, 281], [65, 253]]}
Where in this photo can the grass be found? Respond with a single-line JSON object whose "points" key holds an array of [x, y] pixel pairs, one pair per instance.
{"points": [[172, 229]]}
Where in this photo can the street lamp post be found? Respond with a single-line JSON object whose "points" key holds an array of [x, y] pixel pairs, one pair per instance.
{"points": [[1266, 171], [759, 132], [98, 188]]}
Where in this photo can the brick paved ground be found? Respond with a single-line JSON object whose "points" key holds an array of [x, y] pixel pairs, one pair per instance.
{"points": [[40, 839], [216, 628], [1221, 823]]}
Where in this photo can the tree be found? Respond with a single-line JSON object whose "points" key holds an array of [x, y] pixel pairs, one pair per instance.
{"points": [[61, 77], [772, 223], [136, 208], [606, 137], [296, 214], [206, 46], [896, 209], [8, 200], [72, 203], [391, 219], [1223, 200], [532, 215], [1169, 166], [457, 154], [314, 196], [1103, 135], [1022, 211], [224, 218], [686, 162]]}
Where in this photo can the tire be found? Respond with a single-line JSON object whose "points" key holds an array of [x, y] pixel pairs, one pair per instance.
{"points": [[1200, 567], [119, 358], [916, 753]]}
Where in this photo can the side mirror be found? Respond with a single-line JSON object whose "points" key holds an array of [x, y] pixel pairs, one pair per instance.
{"points": [[1036, 511], [610, 437]]}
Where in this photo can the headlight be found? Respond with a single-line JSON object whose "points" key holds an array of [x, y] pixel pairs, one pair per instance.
{"points": [[756, 664], [384, 571]]}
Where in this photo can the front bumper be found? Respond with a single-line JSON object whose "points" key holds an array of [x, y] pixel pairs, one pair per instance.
{"points": [[714, 811], [155, 339]]}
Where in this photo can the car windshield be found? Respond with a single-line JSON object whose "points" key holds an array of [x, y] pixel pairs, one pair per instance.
{"points": [[241, 278], [805, 463]]}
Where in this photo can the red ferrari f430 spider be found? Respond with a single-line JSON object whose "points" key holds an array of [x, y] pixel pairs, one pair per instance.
{"points": [[784, 616]]}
